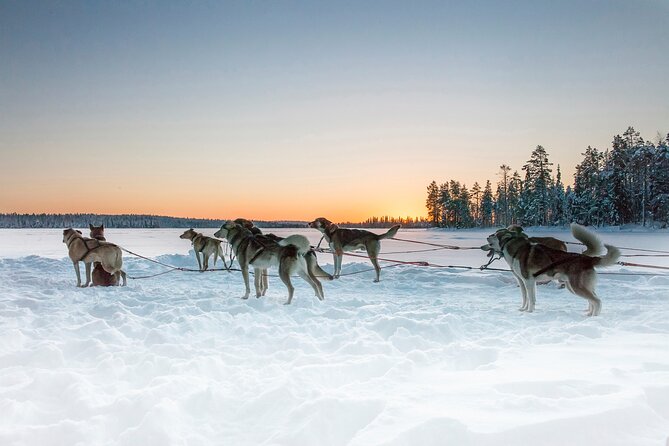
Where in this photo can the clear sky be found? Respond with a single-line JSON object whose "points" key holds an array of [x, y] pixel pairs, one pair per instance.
{"points": [[293, 110]]}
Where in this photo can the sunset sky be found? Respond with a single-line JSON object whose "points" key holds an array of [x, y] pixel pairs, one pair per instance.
{"points": [[293, 110]]}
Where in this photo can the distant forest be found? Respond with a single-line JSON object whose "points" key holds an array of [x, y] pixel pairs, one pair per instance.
{"points": [[626, 184], [121, 221], [155, 221]]}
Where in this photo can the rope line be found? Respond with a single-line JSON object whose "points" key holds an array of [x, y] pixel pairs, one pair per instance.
{"points": [[435, 244], [642, 266], [629, 249], [395, 263]]}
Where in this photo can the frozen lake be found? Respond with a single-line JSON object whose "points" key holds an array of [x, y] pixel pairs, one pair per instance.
{"points": [[427, 356]]}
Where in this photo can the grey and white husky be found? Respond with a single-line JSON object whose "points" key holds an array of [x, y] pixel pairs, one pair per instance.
{"points": [[343, 239], [262, 253], [314, 269], [530, 262]]}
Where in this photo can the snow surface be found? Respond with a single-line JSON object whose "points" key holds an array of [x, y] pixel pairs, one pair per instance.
{"points": [[427, 356]]}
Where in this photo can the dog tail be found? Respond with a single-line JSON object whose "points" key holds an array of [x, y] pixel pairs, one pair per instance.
{"points": [[611, 257], [299, 241], [391, 232], [592, 243]]}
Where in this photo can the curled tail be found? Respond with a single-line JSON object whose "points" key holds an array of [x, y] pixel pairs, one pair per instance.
{"points": [[299, 241], [592, 243], [391, 233], [612, 255]]}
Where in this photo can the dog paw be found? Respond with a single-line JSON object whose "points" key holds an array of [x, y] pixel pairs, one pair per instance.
{"points": [[376, 281]]}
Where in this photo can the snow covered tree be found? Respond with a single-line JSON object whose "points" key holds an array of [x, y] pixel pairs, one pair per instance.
{"points": [[432, 203], [487, 205], [535, 200], [475, 195], [502, 199]]}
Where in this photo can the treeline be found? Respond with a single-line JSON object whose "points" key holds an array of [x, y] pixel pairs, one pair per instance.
{"points": [[121, 221], [626, 184], [386, 222]]}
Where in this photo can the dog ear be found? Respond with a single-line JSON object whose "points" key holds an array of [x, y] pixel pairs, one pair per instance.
{"points": [[516, 228], [90, 226], [102, 226]]}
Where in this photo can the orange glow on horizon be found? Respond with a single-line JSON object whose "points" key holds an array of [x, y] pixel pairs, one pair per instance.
{"points": [[204, 207]]}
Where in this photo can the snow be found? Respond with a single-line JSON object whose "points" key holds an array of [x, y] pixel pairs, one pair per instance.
{"points": [[427, 356]]}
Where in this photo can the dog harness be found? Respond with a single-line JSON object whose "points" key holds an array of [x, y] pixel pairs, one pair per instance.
{"points": [[88, 249]]}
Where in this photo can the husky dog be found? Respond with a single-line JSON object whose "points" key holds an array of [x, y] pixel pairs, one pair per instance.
{"points": [[313, 268], [100, 276], [532, 261], [551, 242], [203, 246], [88, 250], [341, 240], [262, 253]]}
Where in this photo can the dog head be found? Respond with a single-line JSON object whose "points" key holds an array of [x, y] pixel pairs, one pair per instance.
{"points": [[322, 224], [97, 232], [248, 224], [501, 237], [243, 222], [188, 234], [226, 228], [70, 233]]}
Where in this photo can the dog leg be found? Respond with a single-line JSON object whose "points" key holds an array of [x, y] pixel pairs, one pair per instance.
{"points": [[314, 269], [265, 281], [314, 278], [245, 275], [581, 286], [339, 256], [523, 291], [531, 286], [257, 281], [377, 268], [373, 248], [76, 270], [199, 263], [122, 274], [284, 274], [205, 260], [314, 284], [88, 273]]}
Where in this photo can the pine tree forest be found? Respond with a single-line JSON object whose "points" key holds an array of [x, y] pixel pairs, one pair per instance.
{"points": [[626, 184]]}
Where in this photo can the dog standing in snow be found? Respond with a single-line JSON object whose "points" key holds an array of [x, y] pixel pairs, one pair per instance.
{"points": [[89, 250], [263, 253], [342, 239], [203, 246], [530, 262]]}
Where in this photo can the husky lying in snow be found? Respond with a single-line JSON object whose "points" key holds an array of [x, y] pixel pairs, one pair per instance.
{"points": [[261, 253], [100, 276], [313, 268], [203, 246], [530, 262], [342, 239], [89, 250]]}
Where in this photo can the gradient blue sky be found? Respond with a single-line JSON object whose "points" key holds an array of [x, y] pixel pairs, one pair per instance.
{"points": [[292, 110]]}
